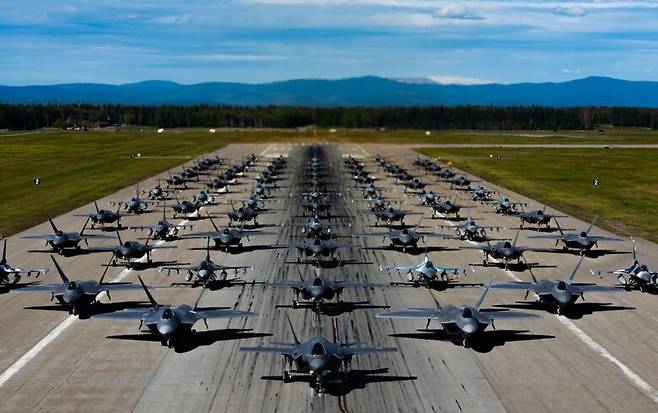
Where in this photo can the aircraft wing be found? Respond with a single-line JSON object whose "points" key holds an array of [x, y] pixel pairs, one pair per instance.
{"points": [[507, 315], [49, 237], [356, 349], [609, 239], [422, 313], [118, 286], [127, 314], [400, 268], [285, 350], [593, 288], [41, 288], [161, 247], [514, 286], [434, 234], [282, 284], [222, 313], [102, 249]]}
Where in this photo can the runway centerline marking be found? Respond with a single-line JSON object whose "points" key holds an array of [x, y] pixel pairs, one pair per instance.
{"points": [[633, 377]]}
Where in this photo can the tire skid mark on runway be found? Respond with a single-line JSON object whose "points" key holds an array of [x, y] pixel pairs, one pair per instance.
{"points": [[632, 377]]}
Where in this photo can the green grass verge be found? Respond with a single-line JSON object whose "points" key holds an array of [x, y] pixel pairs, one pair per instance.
{"points": [[78, 167], [562, 178]]}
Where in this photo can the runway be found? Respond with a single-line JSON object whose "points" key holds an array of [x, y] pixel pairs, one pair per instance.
{"points": [[604, 360]]}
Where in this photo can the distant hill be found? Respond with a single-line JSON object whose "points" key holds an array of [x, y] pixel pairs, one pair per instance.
{"points": [[360, 91]]}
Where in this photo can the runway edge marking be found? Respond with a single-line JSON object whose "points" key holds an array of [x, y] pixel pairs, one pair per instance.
{"points": [[633, 377]]}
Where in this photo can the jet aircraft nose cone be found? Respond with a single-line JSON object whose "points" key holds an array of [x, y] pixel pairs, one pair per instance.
{"points": [[318, 364], [469, 329], [166, 327], [203, 274]]}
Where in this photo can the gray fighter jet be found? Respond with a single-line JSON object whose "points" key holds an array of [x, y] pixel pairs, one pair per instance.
{"points": [[163, 230], [390, 215], [316, 247], [206, 271], [135, 205], [505, 206], [539, 217], [461, 322], [11, 276], [227, 238], [559, 293], [131, 250], [63, 242], [446, 208], [505, 251], [317, 358], [581, 242], [103, 216], [428, 273], [172, 323], [404, 238], [637, 275], [77, 296], [471, 231], [317, 289]]}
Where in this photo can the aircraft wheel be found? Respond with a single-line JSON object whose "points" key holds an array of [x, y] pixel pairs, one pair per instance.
{"points": [[295, 304], [286, 377]]}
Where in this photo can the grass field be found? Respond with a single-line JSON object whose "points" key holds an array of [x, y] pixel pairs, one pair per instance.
{"points": [[78, 167], [625, 200]]}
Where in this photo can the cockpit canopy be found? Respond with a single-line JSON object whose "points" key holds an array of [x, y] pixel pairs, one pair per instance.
{"points": [[318, 349], [167, 314], [317, 282], [561, 286], [71, 285], [467, 313]]}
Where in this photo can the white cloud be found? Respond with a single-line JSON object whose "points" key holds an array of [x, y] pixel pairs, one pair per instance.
{"points": [[568, 71], [457, 11], [570, 11], [458, 80]]}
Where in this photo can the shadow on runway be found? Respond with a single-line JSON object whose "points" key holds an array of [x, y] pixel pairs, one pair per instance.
{"points": [[234, 250], [543, 229], [141, 266], [328, 264], [94, 309], [574, 311], [416, 250], [482, 343], [196, 339], [214, 285], [333, 309], [5, 288], [593, 253], [436, 285], [354, 380], [515, 267]]}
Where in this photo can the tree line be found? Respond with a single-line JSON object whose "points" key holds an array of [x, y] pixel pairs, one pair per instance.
{"points": [[34, 116]]}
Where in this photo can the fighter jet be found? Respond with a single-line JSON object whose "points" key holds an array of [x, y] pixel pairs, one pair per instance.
{"points": [[206, 271], [539, 217], [243, 215], [428, 197], [505, 251], [176, 181], [317, 289], [77, 296], [505, 206], [463, 322], [559, 293], [157, 193], [11, 276], [427, 273], [390, 215], [62, 242], [471, 231], [637, 275], [447, 174], [315, 228], [186, 208], [226, 238], [163, 230], [316, 247], [481, 193], [461, 182], [581, 242], [135, 205], [317, 358], [446, 208], [173, 324], [103, 216], [131, 250], [405, 237]]}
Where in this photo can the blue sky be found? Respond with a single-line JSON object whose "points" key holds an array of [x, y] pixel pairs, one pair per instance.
{"points": [[121, 41]]}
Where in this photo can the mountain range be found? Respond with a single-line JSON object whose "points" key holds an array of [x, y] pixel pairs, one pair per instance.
{"points": [[357, 91]]}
